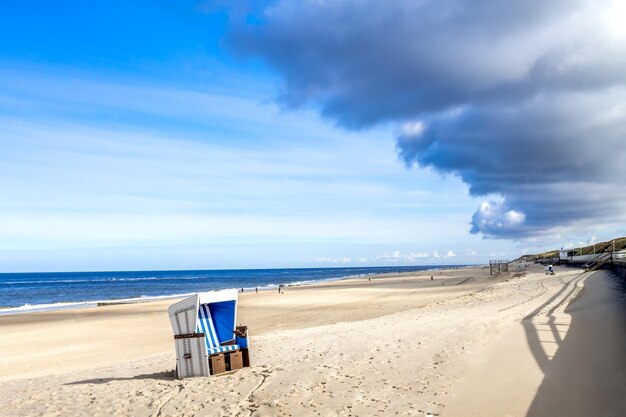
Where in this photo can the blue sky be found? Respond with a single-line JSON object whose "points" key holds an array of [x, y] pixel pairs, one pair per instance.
{"points": [[140, 136]]}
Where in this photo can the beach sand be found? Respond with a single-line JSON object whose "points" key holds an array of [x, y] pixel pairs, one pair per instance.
{"points": [[463, 344]]}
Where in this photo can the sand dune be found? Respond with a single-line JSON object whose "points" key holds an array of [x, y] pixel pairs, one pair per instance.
{"points": [[398, 345]]}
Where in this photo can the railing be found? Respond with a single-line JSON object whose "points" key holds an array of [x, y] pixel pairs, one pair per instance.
{"points": [[598, 261]]}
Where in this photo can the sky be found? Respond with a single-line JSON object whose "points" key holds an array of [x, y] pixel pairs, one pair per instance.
{"points": [[210, 134]]}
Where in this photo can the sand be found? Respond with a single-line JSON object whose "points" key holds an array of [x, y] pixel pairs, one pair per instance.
{"points": [[463, 344]]}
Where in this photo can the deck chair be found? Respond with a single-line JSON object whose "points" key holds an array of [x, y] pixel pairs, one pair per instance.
{"points": [[206, 338]]}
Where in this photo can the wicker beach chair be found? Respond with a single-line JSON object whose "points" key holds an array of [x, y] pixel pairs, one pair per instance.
{"points": [[207, 340]]}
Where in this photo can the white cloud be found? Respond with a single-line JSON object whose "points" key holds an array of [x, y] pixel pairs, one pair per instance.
{"points": [[493, 217], [343, 260], [417, 255], [397, 256], [413, 129]]}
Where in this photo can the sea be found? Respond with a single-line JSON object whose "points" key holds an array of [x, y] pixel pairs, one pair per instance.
{"points": [[41, 291]]}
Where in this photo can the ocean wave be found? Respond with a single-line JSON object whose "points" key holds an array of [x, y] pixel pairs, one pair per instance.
{"points": [[33, 308], [71, 305], [138, 279], [111, 279]]}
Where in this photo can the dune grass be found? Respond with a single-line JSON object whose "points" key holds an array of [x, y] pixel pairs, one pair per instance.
{"points": [[620, 243]]}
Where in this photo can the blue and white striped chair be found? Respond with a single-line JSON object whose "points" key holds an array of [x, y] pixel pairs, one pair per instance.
{"points": [[211, 338], [207, 340]]}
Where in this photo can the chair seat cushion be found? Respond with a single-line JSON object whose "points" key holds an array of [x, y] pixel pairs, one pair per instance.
{"points": [[220, 349]]}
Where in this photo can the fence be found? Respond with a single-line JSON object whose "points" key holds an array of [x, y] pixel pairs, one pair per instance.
{"points": [[498, 266]]}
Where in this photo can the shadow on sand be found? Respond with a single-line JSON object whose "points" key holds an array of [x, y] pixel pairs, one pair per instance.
{"points": [[161, 376], [581, 350]]}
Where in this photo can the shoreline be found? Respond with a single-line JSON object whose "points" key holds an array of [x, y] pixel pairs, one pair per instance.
{"points": [[74, 305]]}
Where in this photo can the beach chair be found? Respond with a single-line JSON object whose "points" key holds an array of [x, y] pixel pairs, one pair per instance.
{"points": [[207, 340]]}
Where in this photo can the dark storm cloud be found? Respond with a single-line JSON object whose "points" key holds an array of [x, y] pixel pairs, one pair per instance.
{"points": [[525, 101]]}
